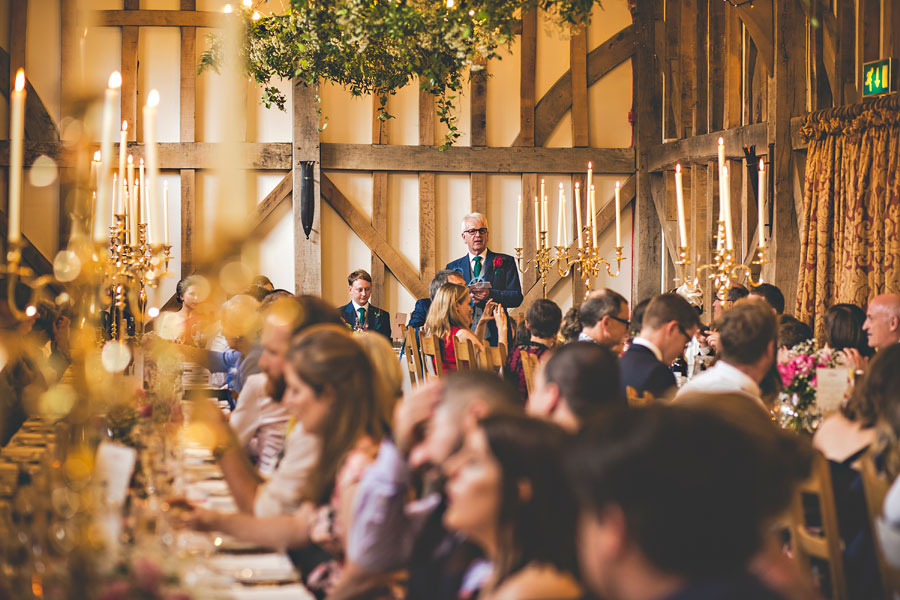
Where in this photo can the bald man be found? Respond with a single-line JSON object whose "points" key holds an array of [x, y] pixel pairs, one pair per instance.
{"points": [[883, 321]]}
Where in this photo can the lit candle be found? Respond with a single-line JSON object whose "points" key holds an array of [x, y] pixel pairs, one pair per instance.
{"points": [[563, 239], [123, 147], [729, 242], [537, 224], [142, 196], [153, 217], [115, 201], [590, 176], [545, 222], [132, 202], [542, 190], [166, 211], [578, 214], [679, 200], [104, 197], [520, 224], [17, 140], [721, 149], [593, 216], [618, 210], [138, 193], [762, 202], [95, 169]]}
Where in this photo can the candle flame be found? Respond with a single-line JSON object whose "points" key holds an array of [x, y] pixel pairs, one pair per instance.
{"points": [[560, 185], [256, 16], [590, 165], [227, 9], [721, 141], [762, 164], [124, 125], [248, 3], [20, 80], [97, 156], [724, 170], [577, 185], [619, 184], [142, 162], [130, 159], [153, 98], [115, 80], [678, 168]]}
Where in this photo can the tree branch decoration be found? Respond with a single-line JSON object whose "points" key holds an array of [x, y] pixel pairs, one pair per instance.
{"points": [[379, 46]]}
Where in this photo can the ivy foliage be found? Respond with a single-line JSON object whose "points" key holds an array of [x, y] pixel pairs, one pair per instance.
{"points": [[379, 46]]}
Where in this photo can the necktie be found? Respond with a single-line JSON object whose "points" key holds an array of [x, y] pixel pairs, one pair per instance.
{"points": [[362, 316], [476, 272]]}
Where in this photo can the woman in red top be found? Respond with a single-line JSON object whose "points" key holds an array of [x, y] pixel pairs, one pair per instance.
{"points": [[450, 318]]}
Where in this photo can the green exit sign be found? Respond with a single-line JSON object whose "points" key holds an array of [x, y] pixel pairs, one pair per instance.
{"points": [[877, 77]]}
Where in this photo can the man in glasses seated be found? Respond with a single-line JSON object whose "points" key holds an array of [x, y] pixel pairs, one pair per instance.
{"points": [[489, 275]]}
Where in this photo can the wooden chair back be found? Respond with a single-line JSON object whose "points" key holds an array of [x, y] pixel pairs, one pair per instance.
{"points": [[494, 357], [529, 367], [876, 488], [413, 357], [466, 357], [431, 356], [821, 541]]}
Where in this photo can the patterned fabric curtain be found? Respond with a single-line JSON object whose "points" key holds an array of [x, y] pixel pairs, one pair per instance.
{"points": [[849, 238]]}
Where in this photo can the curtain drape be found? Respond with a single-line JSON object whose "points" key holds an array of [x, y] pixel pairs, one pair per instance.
{"points": [[849, 221]]}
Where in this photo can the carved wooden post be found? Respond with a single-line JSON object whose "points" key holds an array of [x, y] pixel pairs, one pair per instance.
{"points": [[305, 147]]}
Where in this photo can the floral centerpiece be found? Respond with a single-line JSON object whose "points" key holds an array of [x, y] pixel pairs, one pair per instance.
{"points": [[796, 408]]}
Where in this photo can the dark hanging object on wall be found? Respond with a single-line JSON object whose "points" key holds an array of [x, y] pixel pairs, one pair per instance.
{"points": [[307, 196], [751, 164]]}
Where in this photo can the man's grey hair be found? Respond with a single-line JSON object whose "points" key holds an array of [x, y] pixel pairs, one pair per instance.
{"points": [[475, 216], [440, 278]]}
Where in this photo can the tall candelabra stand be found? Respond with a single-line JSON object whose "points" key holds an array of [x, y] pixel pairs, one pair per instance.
{"points": [[723, 270], [542, 261], [586, 259], [16, 272], [132, 265]]}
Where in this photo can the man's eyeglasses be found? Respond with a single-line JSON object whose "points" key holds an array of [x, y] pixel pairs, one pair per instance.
{"points": [[624, 322], [684, 333], [480, 230]]}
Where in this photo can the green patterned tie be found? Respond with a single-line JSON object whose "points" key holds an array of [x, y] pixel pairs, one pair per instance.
{"points": [[362, 316], [477, 270]]}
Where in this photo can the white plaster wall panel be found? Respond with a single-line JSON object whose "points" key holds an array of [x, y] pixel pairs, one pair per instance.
{"points": [[160, 5], [562, 134], [452, 203], [609, 101], [276, 253], [346, 119], [607, 21], [357, 187], [503, 197], [403, 129], [402, 234], [342, 253], [552, 54], [606, 242], [42, 52], [39, 214], [102, 56], [158, 49], [503, 102], [272, 125]]}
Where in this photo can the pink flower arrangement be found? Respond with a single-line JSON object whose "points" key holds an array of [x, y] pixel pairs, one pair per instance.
{"points": [[797, 368]]}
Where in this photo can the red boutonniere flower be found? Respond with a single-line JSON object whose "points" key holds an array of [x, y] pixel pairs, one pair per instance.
{"points": [[498, 261]]}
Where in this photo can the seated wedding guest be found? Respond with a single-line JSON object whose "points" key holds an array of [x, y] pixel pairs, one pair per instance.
{"points": [[882, 324], [792, 331], [388, 369], [498, 270], [51, 332], [669, 324], [281, 492], [450, 318], [390, 531], [333, 392], [542, 324], [506, 493], [770, 294], [734, 294], [844, 333], [577, 382], [359, 313], [844, 437], [637, 319], [647, 480], [746, 352], [603, 318], [420, 310]]}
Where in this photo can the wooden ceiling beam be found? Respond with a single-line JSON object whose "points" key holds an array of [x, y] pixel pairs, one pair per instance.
{"points": [[156, 18]]}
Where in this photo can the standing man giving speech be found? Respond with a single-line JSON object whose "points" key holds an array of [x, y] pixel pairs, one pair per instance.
{"points": [[489, 275]]}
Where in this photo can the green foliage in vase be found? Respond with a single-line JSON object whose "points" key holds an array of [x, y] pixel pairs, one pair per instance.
{"points": [[379, 46]]}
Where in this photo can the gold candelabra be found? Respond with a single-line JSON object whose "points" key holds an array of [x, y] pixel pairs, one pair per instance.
{"points": [[15, 273], [723, 270], [586, 259]]}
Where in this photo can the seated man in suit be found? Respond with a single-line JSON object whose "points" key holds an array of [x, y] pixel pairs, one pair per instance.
{"points": [[420, 311], [669, 324], [480, 264], [359, 313]]}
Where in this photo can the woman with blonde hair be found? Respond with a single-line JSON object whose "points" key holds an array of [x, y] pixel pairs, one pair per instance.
{"points": [[329, 390], [450, 319], [388, 372]]}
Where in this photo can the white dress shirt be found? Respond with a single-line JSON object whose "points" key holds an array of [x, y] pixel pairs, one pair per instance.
{"points": [[356, 308], [639, 341], [280, 495], [260, 423], [722, 378], [484, 265]]}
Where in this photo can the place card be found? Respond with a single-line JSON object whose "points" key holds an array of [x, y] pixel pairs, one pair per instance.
{"points": [[833, 385], [112, 470]]}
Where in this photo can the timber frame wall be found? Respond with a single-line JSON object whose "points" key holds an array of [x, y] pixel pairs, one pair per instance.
{"points": [[705, 69], [702, 69]]}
